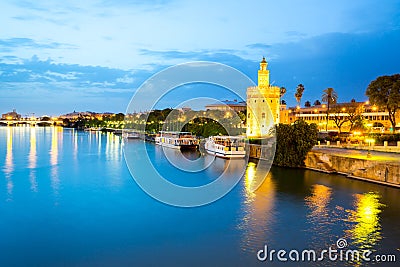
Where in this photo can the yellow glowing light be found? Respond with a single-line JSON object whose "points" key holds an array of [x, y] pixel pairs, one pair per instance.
{"points": [[54, 148], [315, 110], [370, 140], [366, 231], [324, 106], [356, 133], [250, 179], [367, 103], [298, 107], [319, 200], [290, 111], [251, 172], [343, 109], [374, 108], [9, 118], [32, 149]]}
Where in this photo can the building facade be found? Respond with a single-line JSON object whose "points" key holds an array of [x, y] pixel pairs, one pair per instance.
{"points": [[375, 119], [13, 115], [263, 105], [227, 105]]}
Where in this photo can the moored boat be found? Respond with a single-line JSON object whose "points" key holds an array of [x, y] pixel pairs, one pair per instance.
{"points": [[177, 140], [131, 135], [226, 146]]}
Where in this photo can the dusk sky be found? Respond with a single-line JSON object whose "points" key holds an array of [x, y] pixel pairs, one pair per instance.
{"points": [[60, 56]]}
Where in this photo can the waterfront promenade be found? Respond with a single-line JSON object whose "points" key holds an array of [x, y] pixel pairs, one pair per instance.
{"points": [[360, 153]]}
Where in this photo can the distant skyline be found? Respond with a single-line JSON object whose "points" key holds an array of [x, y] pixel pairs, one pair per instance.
{"points": [[56, 57]]}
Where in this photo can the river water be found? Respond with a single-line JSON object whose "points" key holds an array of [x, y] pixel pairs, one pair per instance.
{"points": [[67, 198]]}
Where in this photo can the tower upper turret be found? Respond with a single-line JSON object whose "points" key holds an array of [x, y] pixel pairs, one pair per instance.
{"points": [[263, 74], [263, 64]]}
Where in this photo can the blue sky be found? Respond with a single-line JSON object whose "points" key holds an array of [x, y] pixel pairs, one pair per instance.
{"points": [[60, 56]]}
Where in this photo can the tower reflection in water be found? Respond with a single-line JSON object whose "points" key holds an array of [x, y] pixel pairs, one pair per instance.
{"points": [[258, 210], [365, 231]]}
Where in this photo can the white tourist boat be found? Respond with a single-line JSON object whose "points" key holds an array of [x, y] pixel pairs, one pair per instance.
{"points": [[226, 146], [177, 140], [131, 134]]}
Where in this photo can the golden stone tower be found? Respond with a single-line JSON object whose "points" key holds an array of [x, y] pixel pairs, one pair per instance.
{"points": [[263, 103]]}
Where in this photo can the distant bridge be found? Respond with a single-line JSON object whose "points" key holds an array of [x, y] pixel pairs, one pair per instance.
{"points": [[29, 122]]}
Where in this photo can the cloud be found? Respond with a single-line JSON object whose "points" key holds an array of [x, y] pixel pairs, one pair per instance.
{"points": [[35, 85], [258, 46], [8, 45], [344, 61]]}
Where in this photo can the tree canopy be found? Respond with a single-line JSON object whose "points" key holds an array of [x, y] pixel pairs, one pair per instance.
{"points": [[317, 103], [294, 142], [385, 92]]}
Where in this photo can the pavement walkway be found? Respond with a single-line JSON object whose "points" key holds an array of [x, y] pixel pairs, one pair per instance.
{"points": [[359, 154]]}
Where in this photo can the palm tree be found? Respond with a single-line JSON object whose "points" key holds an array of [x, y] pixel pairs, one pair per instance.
{"points": [[330, 97], [299, 93], [282, 92]]}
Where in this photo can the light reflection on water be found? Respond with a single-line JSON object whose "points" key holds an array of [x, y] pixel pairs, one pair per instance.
{"points": [[258, 211], [54, 175], [32, 160], [84, 173], [365, 229], [320, 216], [9, 165]]}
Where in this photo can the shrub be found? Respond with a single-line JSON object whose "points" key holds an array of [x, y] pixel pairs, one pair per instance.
{"points": [[294, 142]]}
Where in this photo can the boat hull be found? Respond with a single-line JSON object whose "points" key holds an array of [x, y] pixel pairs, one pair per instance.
{"points": [[225, 152], [226, 155], [181, 147]]}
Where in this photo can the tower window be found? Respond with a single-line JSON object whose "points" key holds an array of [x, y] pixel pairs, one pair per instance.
{"points": [[263, 115], [271, 100], [248, 115], [255, 101], [263, 100]]}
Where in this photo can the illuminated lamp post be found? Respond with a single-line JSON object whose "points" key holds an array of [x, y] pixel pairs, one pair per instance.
{"points": [[369, 141]]}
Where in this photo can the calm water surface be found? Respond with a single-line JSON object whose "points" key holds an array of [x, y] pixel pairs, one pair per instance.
{"points": [[68, 199]]}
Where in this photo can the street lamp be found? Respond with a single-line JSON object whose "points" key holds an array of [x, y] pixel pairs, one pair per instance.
{"points": [[369, 141]]}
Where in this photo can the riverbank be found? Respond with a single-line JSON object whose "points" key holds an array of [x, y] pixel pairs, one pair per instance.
{"points": [[378, 167], [373, 166]]}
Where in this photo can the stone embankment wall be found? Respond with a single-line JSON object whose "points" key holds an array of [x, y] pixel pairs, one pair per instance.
{"points": [[386, 172], [379, 171]]}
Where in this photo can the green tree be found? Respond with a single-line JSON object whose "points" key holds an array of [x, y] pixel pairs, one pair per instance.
{"points": [[339, 117], [307, 104], [354, 114], [385, 92], [329, 96], [317, 103], [294, 142]]}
